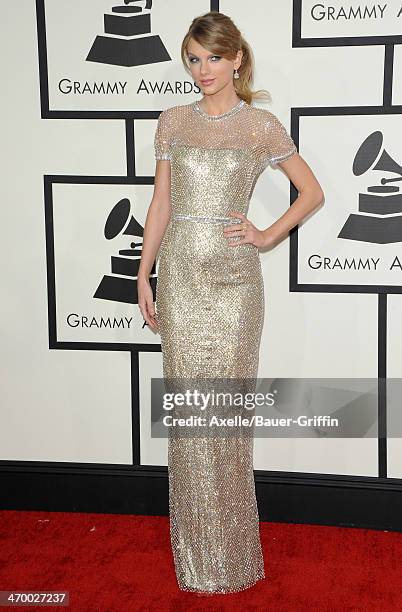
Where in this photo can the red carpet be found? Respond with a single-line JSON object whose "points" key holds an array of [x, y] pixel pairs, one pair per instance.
{"points": [[122, 563]]}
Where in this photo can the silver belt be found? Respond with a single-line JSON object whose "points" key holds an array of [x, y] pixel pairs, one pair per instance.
{"points": [[179, 217]]}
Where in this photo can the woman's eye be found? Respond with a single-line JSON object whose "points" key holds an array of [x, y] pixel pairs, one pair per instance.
{"points": [[195, 59]]}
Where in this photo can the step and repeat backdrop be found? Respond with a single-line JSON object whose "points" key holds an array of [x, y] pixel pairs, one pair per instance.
{"points": [[86, 83]]}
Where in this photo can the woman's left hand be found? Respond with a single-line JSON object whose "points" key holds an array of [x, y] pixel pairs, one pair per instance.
{"points": [[247, 232]]}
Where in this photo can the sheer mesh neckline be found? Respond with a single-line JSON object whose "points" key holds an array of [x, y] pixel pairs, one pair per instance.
{"points": [[229, 113]]}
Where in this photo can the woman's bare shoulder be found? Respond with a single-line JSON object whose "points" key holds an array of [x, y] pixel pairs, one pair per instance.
{"points": [[264, 114], [177, 110]]}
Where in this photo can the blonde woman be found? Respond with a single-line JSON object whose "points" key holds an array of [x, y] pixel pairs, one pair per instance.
{"points": [[209, 306]]}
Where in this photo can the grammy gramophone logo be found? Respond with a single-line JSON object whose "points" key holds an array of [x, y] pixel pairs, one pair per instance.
{"points": [[127, 40], [379, 219], [121, 284]]}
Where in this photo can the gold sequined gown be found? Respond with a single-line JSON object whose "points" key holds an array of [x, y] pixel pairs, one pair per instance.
{"points": [[210, 308]]}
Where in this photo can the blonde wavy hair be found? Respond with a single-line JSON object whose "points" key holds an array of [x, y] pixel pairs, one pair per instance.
{"points": [[217, 33]]}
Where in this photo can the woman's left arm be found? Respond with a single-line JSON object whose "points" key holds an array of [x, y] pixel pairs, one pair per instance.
{"points": [[310, 197]]}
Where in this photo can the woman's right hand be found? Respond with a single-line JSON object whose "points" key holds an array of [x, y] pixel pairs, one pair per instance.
{"points": [[146, 302]]}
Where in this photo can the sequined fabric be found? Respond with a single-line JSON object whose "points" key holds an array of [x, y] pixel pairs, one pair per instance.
{"points": [[210, 308]]}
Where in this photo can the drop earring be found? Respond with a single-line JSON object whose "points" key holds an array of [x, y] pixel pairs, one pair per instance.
{"points": [[236, 75]]}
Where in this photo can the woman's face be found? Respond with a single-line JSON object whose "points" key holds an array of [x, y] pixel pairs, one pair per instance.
{"points": [[210, 72]]}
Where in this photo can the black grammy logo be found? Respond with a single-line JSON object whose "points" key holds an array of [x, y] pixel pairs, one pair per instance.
{"points": [[122, 286], [124, 43], [384, 202]]}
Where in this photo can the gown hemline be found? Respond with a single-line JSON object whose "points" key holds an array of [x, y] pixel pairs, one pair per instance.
{"points": [[224, 590]]}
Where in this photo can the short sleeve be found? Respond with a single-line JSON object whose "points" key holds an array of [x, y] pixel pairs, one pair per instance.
{"points": [[162, 139], [278, 144]]}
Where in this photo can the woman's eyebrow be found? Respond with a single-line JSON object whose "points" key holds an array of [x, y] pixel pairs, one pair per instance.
{"points": [[194, 55]]}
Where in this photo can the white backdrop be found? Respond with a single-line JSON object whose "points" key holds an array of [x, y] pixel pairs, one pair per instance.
{"points": [[67, 392]]}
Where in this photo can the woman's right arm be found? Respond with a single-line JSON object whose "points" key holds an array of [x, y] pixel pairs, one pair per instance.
{"points": [[156, 222]]}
